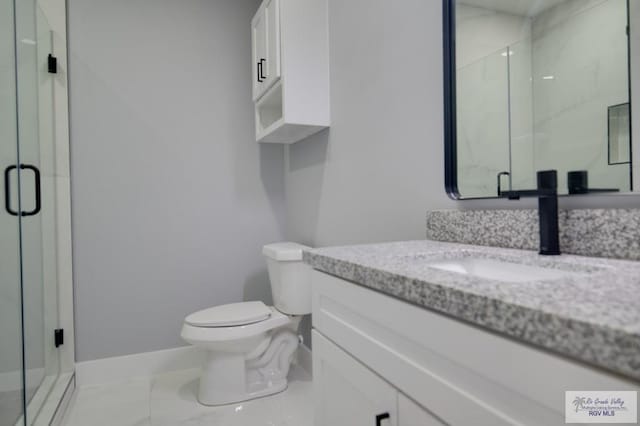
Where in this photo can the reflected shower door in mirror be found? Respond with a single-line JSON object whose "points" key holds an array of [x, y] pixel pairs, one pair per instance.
{"points": [[536, 85]]}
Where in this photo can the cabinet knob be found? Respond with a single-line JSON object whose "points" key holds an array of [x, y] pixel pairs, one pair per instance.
{"points": [[381, 417]]}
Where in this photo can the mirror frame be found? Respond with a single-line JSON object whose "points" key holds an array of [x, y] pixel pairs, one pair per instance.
{"points": [[450, 123], [449, 61]]}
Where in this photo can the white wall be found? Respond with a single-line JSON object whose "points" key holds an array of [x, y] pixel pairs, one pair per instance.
{"points": [[373, 175], [498, 30], [172, 197]]}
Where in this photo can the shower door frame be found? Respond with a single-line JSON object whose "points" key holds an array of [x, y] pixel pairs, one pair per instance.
{"points": [[49, 402]]}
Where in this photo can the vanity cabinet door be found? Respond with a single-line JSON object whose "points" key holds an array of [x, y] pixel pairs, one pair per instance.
{"points": [[346, 392], [412, 414]]}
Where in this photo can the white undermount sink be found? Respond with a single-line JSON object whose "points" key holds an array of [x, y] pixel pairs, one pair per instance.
{"points": [[499, 270]]}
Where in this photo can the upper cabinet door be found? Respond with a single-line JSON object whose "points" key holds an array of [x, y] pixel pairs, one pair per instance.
{"points": [[259, 51], [265, 28], [272, 17], [348, 393]]}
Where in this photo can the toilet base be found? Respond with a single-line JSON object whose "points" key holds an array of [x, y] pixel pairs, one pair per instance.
{"points": [[229, 378]]}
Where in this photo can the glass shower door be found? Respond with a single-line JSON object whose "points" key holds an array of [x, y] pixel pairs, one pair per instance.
{"points": [[37, 199], [29, 292], [11, 363]]}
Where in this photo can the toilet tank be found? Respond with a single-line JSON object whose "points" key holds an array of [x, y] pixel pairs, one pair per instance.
{"points": [[290, 278]]}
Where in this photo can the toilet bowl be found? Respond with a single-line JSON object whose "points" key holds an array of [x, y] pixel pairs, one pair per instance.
{"points": [[249, 346]]}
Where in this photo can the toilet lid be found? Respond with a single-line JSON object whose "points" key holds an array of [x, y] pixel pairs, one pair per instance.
{"points": [[230, 315]]}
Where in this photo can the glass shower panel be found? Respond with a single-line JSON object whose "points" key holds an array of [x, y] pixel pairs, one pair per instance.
{"points": [[30, 227], [11, 373], [482, 108], [29, 236], [523, 171], [36, 144]]}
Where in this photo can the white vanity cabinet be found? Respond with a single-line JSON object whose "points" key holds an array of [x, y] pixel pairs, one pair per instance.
{"points": [[290, 69], [347, 390], [411, 414], [374, 354]]}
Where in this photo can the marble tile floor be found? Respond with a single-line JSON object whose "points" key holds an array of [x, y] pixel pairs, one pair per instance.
{"points": [[170, 400]]}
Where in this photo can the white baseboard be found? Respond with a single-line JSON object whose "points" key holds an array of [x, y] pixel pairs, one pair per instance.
{"points": [[304, 359], [147, 364]]}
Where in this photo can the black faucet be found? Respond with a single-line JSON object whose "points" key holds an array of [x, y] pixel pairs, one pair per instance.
{"points": [[547, 194]]}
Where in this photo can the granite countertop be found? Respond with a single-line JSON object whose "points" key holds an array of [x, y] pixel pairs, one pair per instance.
{"points": [[591, 314]]}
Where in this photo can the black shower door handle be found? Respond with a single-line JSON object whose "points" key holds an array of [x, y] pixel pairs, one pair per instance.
{"points": [[7, 190], [36, 172]]}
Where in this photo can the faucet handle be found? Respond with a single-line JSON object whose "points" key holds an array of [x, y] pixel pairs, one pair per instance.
{"points": [[548, 179]]}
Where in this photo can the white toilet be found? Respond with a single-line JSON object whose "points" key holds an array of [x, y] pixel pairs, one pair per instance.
{"points": [[250, 345]]}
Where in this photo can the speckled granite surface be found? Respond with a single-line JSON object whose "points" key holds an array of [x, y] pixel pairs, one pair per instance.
{"points": [[613, 233], [592, 314]]}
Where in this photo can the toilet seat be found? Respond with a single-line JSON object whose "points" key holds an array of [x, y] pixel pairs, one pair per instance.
{"points": [[193, 333], [230, 315]]}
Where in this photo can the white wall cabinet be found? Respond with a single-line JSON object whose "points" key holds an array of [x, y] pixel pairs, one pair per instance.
{"points": [[349, 394], [374, 354], [290, 69], [265, 30]]}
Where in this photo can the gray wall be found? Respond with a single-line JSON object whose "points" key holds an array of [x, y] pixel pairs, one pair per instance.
{"points": [[172, 197], [380, 167], [373, 175]]}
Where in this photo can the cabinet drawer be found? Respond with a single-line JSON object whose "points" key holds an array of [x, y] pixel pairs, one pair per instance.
{"points": [[461, 373]]}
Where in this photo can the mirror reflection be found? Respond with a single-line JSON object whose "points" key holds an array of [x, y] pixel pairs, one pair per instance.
{"points": [[542, 84]]}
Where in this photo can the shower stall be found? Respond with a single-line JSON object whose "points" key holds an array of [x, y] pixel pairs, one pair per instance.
{"points": [[36, 300]]}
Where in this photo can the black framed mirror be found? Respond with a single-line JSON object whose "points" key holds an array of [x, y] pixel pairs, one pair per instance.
{"points": [[535, 85]]}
